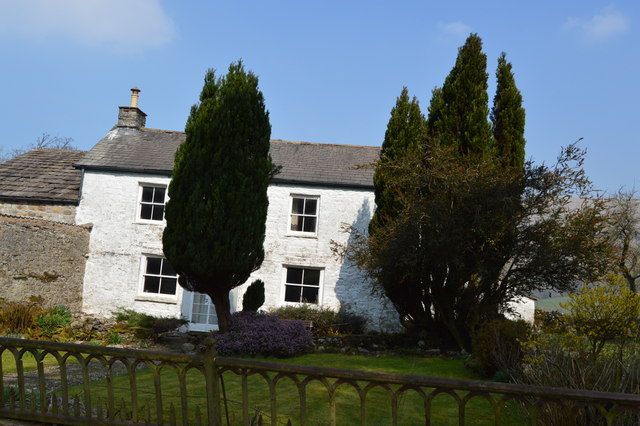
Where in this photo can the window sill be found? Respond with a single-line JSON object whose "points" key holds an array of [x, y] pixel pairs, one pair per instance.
{"points": [[155, 299], [313, 235], [301, 304], [150, 222]]}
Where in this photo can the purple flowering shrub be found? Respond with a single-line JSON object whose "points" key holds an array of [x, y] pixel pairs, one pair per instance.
{"points": [[254, 333]]}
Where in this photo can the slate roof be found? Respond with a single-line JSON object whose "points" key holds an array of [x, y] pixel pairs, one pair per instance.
{"points": [[152, 151], [42, 175], [324, 164]]}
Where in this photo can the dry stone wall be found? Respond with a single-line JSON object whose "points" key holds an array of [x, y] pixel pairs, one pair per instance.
{"points": [[57, 212], [42, 258]]}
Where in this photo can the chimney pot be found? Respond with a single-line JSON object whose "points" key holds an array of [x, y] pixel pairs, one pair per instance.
{"points": [[135, 96]]}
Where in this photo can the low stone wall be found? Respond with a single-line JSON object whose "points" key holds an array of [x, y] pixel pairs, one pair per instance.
{"points": [[42, 258], [64, 213]]}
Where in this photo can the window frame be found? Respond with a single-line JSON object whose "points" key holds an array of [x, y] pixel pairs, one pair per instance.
{"points": [[290, 215], [141, 186], [154, 297], [283, 288]]}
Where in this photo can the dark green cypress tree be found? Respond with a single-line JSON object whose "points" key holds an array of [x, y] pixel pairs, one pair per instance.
{"points": [[218, 193], [406, 128], [459, 111], [508, 117], [253, 298], [435, 111]]}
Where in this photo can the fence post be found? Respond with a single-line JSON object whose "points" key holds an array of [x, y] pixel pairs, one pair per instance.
{"points": [[212, 380]]}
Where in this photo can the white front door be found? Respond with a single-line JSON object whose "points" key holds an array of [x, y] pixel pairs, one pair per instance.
{"points": [[203, 314]]}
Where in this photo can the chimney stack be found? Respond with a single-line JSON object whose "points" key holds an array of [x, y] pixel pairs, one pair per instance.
{"points": [[135, 95], [132, 116]]}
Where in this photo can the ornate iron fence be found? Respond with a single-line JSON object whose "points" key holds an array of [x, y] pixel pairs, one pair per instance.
{"points": [[81, 384]]}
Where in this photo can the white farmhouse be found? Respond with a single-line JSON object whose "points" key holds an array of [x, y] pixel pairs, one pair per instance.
{"points": [[320, 188]]}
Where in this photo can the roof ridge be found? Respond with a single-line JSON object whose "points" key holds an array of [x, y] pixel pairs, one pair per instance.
{"points": [[277, 140], [325, 144], [70, 150], [162, 130]]}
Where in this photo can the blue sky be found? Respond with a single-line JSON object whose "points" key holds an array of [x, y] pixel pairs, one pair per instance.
{"points": [[330, 70]]}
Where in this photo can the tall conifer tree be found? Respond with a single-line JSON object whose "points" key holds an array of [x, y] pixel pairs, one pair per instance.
{"points": [[462, 104], [406, 128], [218, 193], [508, 117]]}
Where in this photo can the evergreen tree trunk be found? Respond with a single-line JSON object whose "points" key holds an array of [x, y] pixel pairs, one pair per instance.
{"points": [[220, 299]]}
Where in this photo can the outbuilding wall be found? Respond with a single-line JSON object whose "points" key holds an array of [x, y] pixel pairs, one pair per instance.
{"points": [[64, 213], [42, 258]]}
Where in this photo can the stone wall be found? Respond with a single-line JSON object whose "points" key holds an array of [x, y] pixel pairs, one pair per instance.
{"points": [[342, 284], [64, 213], [42, 258], [119, 242]]}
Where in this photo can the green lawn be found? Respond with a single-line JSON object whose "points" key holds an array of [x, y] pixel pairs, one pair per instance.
{"points": [[28, 362], [411, 408]]}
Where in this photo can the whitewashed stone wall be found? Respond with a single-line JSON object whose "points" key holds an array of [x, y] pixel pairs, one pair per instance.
{"points": [[118, 242], [343, 285], [524, 308]]}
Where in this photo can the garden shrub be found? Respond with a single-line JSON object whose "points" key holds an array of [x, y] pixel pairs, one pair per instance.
{"points": [[253, 333], [599, 349], [347, 322], [604, 313], [114, 338], [51, 321], [253, 298], [323, 319], [326, 321], [565, 360], [19, 317], [497, 346], [144, 326], [549, 321]]}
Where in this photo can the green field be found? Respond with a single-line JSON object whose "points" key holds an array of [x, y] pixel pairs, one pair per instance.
{"points": [[28, 362], [411, 406]]}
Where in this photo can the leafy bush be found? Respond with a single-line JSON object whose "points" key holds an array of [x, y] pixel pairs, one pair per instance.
{"points": [[18, 317], [326, 322], [549, 322], [114, 338], [604, 313], [598, 349], [497, 346], [52, 321], [349, 323], [144, 326], [253, 298], [252, 333], [565, 360], [323, 319]]}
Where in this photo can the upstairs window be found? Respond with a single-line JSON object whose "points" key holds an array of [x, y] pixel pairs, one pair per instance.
{"points": [[304, 214], [302, 285], [159, 277], [152, 203]]}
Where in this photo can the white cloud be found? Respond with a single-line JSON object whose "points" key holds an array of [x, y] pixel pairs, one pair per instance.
{"points": [[457, 29], [124, 25], [601, 27]]}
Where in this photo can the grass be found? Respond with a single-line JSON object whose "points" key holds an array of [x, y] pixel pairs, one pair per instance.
{"points": [[411, 408], [28, 362]]}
